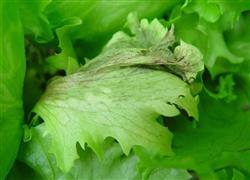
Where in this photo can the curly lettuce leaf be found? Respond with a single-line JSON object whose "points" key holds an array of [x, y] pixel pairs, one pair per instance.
{"points": [[220, 141], [225, 89], [65, 60], [205, 24], [220, 30], [119, 94], [12, 70], [238, 41], [114, 164]]}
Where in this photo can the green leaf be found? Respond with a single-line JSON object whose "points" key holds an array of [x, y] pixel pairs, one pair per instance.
{"points": [[189, 61], [66, 59], [169, 174], [221, 139], [204, 24], [98, 23], [118, 94], [114, 164], [207, 10], [96, 17], [35, 154], [35, 23], [217, 49], [238, 38], [232, 9], [225, 89], [12, 70]]}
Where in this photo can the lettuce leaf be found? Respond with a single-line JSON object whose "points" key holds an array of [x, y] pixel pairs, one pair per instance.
{"points": [[114, 164], [127, 112], [34, 21], [204, 24], [220, 141], [12, 70], [120, 94], [98, 21]]}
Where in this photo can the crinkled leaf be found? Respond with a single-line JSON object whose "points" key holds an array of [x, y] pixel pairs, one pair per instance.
{"points": [[120, 94], [217, 49], [66, 59], [113, 166], [220, 141], [232, 9], [188, 61], [204, 25], [238, 41], [225, 90], [211, 10]]}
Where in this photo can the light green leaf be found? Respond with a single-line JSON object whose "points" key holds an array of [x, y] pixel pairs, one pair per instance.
{"points": [[66, 59], [114, 164], [188, 62], [35, 154], [118, 94], [147, 34]]}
